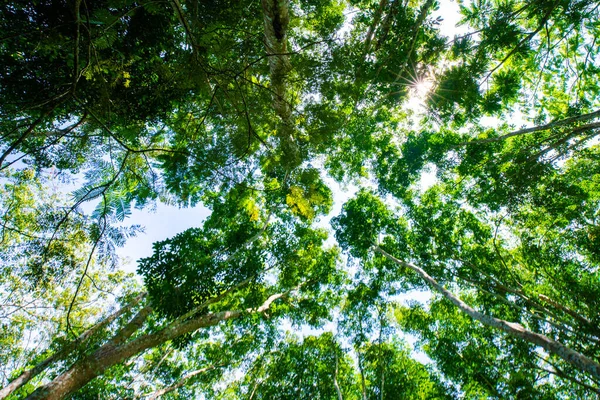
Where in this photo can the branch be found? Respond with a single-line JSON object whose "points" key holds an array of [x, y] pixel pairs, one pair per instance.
{"points": [[551, 125], [88, 368], [29, 374], [576, 359], [524, 40], [87, 265], [21, 138]]}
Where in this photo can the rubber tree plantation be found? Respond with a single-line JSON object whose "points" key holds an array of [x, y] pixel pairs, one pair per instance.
{"points": [[398, 206]]}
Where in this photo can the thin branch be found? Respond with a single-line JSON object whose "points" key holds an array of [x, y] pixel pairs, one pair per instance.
{"points": [[87, 265], [524, 40], [29, 374], [551, 125]]}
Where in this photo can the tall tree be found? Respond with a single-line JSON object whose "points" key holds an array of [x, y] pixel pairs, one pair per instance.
{"points": [[249, 109]]}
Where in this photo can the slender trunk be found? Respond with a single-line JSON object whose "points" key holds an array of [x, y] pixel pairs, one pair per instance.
{"points": [[335, 381], [276, 20], [422, 15], [576, 359], [383, 4], [253, 391], [26, 376], [379, 356], [116, 351], [363, 385], [382, 384]]}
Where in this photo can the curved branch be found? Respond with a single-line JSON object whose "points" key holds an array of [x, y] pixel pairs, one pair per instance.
{"points": [[576, 359], [551, 125], [112, 353], [29, 374]]}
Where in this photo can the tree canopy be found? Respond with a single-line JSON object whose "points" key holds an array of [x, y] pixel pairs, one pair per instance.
{"points": [[466, 263]]}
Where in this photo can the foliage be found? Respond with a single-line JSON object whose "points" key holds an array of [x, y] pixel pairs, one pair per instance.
{"points": [[263, 112]]}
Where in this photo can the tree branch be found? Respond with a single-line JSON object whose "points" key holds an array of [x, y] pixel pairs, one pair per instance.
{"points": [[109, 355], [578, 360], [551, 125], [29, 374]]}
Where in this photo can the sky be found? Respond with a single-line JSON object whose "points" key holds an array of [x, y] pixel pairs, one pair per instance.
{"points": [[167, 220]]}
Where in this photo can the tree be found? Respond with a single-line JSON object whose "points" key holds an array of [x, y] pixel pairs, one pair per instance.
{"points": [[251, 109], [314, 368], [454, 244]]}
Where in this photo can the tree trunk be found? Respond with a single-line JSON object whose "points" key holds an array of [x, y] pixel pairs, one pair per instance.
{"points": [[115, 351], [276, 20], [578, 360], [335, 381]]}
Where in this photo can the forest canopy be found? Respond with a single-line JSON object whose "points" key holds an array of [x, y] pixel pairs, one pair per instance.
{"points": [[480, 281]]}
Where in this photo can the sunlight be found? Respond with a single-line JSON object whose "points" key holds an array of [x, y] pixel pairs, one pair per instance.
{"points": [[419, 89]]}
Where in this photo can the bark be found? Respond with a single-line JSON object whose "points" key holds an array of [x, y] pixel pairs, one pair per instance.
{"points": [[117, 350], [576, 359], [60, 354], [276, 19]]}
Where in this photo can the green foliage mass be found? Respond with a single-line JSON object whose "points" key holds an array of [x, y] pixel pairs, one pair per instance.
{"points": [[362, 220], [474, 163]]}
